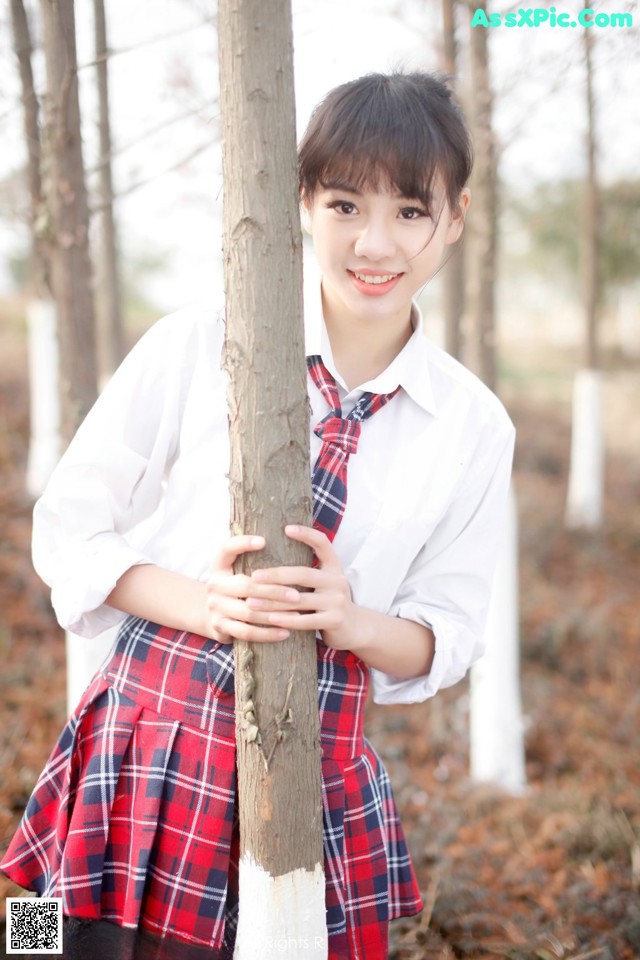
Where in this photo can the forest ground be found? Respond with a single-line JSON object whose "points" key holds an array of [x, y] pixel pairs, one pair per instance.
{"points": [[553, 874]]}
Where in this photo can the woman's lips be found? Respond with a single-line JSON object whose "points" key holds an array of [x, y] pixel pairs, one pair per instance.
{"points": [[373, 284]]}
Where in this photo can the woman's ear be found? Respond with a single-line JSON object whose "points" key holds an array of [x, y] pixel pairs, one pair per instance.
{"points": [[305, 213], [456, 224]]}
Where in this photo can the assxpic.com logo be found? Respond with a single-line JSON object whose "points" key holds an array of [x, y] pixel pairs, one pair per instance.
{"points": [[551, 17]]}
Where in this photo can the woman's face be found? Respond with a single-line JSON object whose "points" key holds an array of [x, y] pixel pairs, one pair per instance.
{"points": [[377, 249]]}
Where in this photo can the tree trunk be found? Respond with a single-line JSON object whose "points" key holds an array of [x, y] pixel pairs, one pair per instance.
{"points": [[497, 727], [586, 471], [484, 219], [39, 273], [279, 783], [497, 748], [44, 415], [44, 441], [67, 204], [453, 278], [111, 339], [591, 247]]}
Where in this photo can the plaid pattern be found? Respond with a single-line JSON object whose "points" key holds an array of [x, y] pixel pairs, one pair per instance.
{"points": [[340, 438], [134, 819]]}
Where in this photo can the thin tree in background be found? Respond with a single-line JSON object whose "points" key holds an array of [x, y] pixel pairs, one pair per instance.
{"points": [[586, 471], [109, 303], [69, 219], [282, 888], [453, 273], [496, 725], [39, 266], [484, 222], [44, 446], [591, 249]]}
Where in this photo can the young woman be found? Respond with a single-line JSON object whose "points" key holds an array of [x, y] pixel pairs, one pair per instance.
{"points": [[132, 822]]}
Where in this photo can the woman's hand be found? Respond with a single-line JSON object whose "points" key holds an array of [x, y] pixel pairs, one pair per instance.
{"points": [[230, 615], [324, 602], [266, 607]]}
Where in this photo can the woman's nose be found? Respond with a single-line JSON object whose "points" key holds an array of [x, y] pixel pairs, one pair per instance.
{"points": [[375, 241]]}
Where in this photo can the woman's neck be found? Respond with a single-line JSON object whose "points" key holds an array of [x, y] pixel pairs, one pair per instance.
{"points": [[362, 354]]}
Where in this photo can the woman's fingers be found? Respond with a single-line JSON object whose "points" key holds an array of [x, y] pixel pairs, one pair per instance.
{"points": [[238, 630], [266, 606], [231, 549], [309, 578], [242, 586], [232, 619], [319, 543]]}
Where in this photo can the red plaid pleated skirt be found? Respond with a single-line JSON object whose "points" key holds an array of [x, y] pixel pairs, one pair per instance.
{"points": [[134, 819]]}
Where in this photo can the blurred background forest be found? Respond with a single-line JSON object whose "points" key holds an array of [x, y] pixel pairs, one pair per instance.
{"points": [[542, 300]]}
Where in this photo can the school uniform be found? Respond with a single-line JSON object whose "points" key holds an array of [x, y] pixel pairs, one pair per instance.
{"points": [[133, 820]]}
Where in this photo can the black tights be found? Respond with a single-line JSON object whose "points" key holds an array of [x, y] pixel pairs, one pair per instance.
{"points": [[101, 940]]}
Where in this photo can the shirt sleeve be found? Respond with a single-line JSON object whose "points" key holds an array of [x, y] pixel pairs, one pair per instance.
{"points": [[108, 483], [448, 585]]}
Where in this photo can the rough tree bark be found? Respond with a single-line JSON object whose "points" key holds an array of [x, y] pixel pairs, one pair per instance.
{"points": [[67, 206], [453, 273], [483, 233], [281, 846], [44, 446], [110, 334], [39, 272], [497, 753], [586, 470]]}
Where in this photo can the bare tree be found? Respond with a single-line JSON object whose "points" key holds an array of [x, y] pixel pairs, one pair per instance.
{"points": [[484, 222], [591, 272], [453, 273], [44, 447], [282, 888], [31, 125], [68, 212], [111, 339], [586, 471], [496, 725]]}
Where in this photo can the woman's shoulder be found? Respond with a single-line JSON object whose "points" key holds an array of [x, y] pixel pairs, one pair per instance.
{"points": [[176, 342], [452, 380], [193, 322]]}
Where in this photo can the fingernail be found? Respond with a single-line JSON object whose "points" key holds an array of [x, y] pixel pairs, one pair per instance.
{"points": [[283, 634], [292, 528], [292, 595], [257, 541]]}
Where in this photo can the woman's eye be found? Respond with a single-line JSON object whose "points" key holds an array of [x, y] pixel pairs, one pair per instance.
{"points": [[412, 213], [343, 206]]}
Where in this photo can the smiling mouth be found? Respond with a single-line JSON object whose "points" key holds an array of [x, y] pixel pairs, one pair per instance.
{"points": [[375, 279]]}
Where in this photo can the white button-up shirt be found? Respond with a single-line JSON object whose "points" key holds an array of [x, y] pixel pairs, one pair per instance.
{"points": [[145, 481]]}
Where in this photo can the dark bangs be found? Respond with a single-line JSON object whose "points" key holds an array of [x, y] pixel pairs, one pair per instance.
{"points": [[381, 131]]}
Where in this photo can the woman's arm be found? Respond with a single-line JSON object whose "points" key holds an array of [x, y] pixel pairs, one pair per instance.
{"points": [[401, 648], [162, 596], [216, 609], [265, 607]]}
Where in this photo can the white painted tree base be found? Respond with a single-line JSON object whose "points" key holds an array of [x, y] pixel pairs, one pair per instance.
{"points": [[586, 471], [281, 917], [496, 725], [44, 442], [84, 656]]}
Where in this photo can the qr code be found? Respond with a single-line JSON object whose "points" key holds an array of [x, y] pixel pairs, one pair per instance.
{"points": [[34, 925]]}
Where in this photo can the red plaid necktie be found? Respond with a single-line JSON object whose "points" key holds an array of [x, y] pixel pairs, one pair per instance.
{"points": [[339, 437]]}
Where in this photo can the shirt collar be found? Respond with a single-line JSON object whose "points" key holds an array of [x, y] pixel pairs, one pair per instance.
{"points": [[409, 370]]}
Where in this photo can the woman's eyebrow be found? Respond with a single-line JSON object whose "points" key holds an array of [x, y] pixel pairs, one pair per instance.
{"points": [[337, 184]]}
